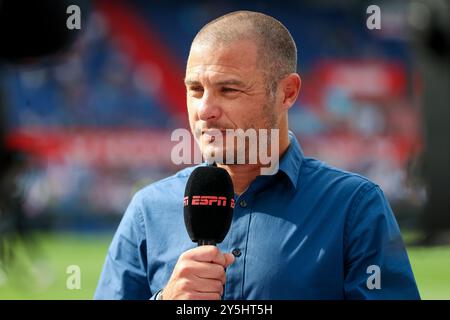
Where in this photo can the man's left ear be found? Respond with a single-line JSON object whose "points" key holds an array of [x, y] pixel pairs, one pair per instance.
{"points": [[290, 85]]}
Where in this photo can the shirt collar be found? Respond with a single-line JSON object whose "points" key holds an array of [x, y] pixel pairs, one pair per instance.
{"points": [[292, 159]]}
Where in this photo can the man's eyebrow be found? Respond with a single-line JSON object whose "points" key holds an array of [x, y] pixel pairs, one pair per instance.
{"points": [[230, 82], [190, 82], [235, 82]]}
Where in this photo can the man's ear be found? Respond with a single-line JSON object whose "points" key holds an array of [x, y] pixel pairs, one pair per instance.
{"points": [[290, 86]]}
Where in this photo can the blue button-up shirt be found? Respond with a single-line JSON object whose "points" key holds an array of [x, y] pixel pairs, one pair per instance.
{"points": [[310, 231]]}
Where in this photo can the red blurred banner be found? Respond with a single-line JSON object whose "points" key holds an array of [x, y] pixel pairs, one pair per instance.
{"points": [[134, 148], [363, 79], [86, 146]]}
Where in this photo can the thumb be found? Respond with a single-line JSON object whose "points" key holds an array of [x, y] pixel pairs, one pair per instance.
{"points": [[229, 259]]}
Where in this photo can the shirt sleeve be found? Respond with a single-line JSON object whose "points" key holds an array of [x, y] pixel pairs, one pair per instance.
{"points": [[376, 262], [124, 274]]}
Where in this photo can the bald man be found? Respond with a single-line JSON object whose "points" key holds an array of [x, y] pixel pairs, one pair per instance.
{"points": [[305, 231]]}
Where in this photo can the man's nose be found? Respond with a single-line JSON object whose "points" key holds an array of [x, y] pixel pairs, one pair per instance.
{"points": [[208, 108]]}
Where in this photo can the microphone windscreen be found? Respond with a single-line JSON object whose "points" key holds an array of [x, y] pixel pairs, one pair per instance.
{"points": [[208, 204]]}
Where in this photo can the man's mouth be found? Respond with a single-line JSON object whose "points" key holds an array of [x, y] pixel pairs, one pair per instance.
{"points": [[210, 135], [213, 131]]}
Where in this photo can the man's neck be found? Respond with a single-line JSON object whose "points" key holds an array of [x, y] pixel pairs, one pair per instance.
{"points": [[243, 174]]}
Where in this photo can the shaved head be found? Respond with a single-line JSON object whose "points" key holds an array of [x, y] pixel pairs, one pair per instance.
{"points": [[277, 53]]}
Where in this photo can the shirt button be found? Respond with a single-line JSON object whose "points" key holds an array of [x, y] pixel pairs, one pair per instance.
{"points": [[236, 252], [243, 203]]}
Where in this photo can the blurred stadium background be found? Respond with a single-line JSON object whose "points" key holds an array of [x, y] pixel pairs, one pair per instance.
{"points": [[91, 126]]}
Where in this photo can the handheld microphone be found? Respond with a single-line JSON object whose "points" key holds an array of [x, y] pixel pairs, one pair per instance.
{"points": [[208, 205]]}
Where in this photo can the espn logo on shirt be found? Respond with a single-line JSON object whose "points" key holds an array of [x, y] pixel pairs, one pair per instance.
{"points": [[219, 201]]}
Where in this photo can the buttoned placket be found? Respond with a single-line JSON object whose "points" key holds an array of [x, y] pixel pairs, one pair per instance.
{"points": [[238, 238], [237, 245]]}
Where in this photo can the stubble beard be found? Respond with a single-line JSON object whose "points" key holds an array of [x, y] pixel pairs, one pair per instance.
{"points": [[271, 121]]}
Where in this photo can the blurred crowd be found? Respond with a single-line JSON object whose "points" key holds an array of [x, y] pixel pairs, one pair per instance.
{"points": [[351, 119]]}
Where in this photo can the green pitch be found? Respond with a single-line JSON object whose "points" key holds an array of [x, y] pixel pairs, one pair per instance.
{"points": [[41, 272]]}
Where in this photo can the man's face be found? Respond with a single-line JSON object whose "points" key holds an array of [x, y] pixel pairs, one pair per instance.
{"points": [[226, 90]]}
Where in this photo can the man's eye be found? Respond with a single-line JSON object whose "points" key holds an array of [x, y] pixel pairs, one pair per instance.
{"points": [[196, 89], [229, 90]]}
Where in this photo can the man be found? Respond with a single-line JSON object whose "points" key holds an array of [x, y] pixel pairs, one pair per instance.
{"points": [[308, 231]]}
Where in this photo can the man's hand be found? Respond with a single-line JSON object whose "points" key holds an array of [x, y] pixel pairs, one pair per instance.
{"points": [[198, 275]]}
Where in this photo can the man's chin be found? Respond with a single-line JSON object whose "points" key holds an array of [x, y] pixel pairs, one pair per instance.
{"points": [[215, 154]]}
